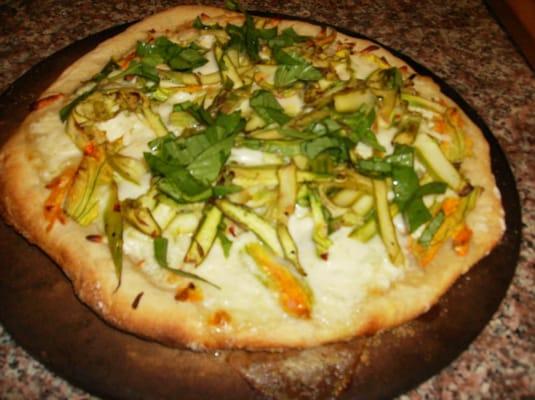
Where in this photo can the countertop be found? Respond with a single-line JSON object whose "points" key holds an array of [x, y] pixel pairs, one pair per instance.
{"points": [[460, 41]]}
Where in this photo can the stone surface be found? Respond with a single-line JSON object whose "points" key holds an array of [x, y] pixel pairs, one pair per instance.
{"points": [[459, 41]]}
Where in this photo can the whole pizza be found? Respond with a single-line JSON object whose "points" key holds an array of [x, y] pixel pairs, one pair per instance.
{"points": [[212, 179]]}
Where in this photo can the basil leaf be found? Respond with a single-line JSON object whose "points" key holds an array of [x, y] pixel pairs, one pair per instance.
{"points": [[284, 58], [286, 75], [268, 108], [432, 188], [405, 184], [287, 38], [402, 155], [360, 124], [293, 68], [187, 60], [374, 167], [196, 111], [174, 189], [314, 147], [163, 50], [416, 213], [431, 229], [247, 37], [283, 147], [223, 190], [189, 166], [408, 196], [208, 164], [142, 70]]}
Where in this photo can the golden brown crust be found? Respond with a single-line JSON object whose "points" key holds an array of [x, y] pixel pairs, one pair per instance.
{"points": [[156, 315]]}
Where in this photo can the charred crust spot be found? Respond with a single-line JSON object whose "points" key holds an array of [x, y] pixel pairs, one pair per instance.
{"points": [[369, 49], [45, 101], [220, 318], [94, 238], [188, 293], [466, 190], [136, 301], [232, 230]]}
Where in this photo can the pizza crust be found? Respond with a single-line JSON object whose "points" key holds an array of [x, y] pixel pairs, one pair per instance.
{"points": [[157, 315]]}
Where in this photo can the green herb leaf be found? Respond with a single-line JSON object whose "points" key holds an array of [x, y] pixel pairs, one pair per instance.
{"points": [[416, 213], [283, 147], [374, 167], [189, 166], [293, 68], [287, 38], [405, 184], [223, 190], [247, 37], [314, 147], [198, 112], [408, 197], [142, 70], [402, 155], [162, 50], [432, 188], [268, 108], [360, 124]]}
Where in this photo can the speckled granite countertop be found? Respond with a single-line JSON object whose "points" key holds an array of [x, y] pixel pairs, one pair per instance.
{"points": [[459, 41]]}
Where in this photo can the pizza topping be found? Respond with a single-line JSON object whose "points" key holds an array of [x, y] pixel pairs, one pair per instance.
{"points": [[113, 226], [59, 187], [137, 300], [160, 254], [189, 293], [294, 296], [251, 127], [205, 236], [93, 175], [45, 101]]}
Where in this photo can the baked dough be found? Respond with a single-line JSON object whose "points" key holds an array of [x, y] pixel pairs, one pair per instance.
{"points": [[141, 307]]}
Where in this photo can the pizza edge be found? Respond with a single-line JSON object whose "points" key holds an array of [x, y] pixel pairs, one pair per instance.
{"points": [[90, 268]]}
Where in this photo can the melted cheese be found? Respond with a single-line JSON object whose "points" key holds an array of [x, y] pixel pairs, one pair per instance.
{"points": [[339, 284], [292, 105], [55, 148], [210, 67]]}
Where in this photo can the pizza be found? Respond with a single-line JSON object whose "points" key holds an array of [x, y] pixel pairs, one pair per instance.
{"points": [[211, 179]]}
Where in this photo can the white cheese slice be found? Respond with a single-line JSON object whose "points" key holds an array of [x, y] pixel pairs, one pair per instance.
{"points": [[56, 149], [362, 66], [292, 105], [210, 67], [250, 157], [338, 284]]}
